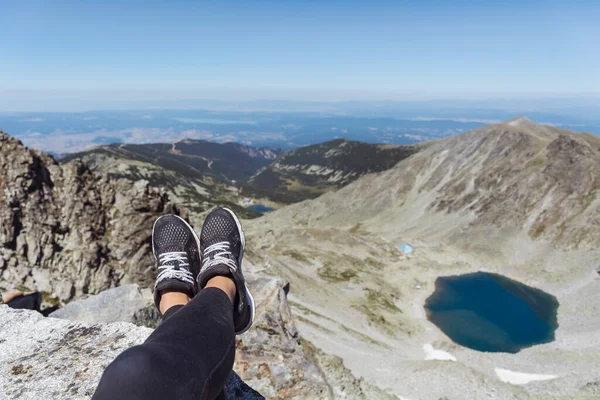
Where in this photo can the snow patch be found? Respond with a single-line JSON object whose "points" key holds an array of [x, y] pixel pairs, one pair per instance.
{"points": [[521, 378], [433, 354]]}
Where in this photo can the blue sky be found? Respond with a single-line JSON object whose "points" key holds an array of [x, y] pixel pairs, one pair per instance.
{"points": [[321, 50]]}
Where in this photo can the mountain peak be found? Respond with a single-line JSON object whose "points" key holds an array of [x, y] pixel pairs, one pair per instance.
{"points": [[525, 125], [520, 121]]}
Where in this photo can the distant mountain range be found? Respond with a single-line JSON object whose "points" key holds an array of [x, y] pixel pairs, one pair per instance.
{"points": [[198, 173], [194, 159], [313, 170], [201, 173], [60, 133]]}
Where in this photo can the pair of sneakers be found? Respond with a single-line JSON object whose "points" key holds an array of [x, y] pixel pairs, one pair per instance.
{"points": [[186, 263]]}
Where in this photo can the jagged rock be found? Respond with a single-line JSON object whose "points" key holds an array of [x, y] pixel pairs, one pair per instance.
{"points": [[67, 231], [113, 305], [270, 357]]}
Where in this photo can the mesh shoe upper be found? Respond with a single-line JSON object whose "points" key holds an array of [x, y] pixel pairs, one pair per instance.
{"points": [[176, 249], [222, 245], [219, 227]]}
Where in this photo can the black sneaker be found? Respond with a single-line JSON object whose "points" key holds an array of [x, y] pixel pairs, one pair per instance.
{"points": [[176, 248], [222, 242]]}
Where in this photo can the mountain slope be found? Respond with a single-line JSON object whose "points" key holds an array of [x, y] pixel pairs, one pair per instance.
{"points": [[516, 198], [310, 171], [513, 176]]}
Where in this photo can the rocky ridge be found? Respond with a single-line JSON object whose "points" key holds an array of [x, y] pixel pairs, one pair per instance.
{"points": [[66, 231]]}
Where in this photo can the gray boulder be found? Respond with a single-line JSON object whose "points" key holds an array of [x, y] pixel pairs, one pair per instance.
{"points": [[48, 358], [113, 305]]}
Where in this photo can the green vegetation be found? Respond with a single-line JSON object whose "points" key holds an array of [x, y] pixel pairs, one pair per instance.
{"points": [[356, 228], [536, 231], [200, 174], [197, 159], [313, 324], [307, 310], [52, 300], [351, 331], [376, 306], [379, 299], [536, 163], [296, 256], [330, 274]]}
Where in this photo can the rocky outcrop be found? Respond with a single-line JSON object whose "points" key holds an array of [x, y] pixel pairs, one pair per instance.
{"points": [[66, 231], [48, 358], [270, 357], [60, 359]]}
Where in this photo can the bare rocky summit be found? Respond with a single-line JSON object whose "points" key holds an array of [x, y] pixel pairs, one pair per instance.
{"points": [[49, 358], [66, 231]]}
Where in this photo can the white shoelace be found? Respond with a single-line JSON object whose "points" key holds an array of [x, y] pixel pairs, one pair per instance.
{"points": [[222, 250], [168, 271]]}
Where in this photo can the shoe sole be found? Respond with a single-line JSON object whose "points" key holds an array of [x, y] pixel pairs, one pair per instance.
{"points": [[248, 294]]}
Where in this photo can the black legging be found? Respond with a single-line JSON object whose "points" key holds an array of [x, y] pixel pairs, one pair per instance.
{"points": [[189, 356]]}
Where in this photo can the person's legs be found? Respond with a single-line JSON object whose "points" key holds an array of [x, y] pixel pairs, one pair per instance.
{"points": [[189, 356], [32, 301]]}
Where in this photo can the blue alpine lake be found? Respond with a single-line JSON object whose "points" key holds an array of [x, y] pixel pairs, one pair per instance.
{"points": [[492, 313]]}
